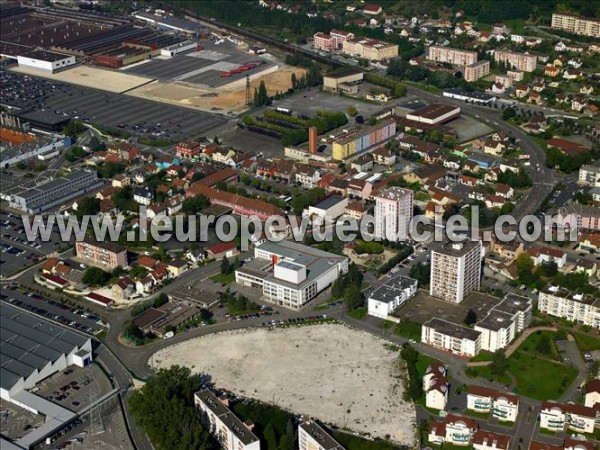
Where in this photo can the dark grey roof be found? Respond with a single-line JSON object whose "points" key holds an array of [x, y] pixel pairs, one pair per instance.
{"points": [[28, 343], [321, 436], [452, 329], [329, 201], [496, 320]]}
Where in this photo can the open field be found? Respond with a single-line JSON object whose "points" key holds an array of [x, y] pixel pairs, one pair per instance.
{"points": [[230, 97], [106, 80], [330, 372]]}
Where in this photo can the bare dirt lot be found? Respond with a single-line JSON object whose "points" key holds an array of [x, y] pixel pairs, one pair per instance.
{"points": [[230, 97], [341, 376], [106, 80]]}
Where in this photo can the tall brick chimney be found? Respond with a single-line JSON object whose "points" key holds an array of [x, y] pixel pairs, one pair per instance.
{"points": [[312, 139]]}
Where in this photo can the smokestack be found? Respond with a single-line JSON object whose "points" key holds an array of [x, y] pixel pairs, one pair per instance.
{"points": [[312, 139]]}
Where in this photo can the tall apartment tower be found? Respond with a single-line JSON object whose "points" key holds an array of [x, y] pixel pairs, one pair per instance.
{"points": [[393, 212], [455, 270]]}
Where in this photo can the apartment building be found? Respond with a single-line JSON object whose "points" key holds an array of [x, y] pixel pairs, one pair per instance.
{"points": [[592, 393], [455, 270], [519, 61], [225, 426], [435, 386], [487, 440], [562, 303], [451, 55], [106, 255], [290, 274], [503, 407], [394, 293], [393, 213], [504, 321], [370, 49], [576, 25], [362, 139], [477, 70], [455, 429], [324, 42], [451, 337], [55, 192], [589, 175], [311, 436], [569, 416]]}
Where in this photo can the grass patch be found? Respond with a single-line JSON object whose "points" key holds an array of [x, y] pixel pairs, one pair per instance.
{"points": [[223, 278], [547, 432], [486, 373], [409, 329], [351, 442], [477, 415], [526, 370], [541, 343], [358, 313], [483, 356], [585, 342]]}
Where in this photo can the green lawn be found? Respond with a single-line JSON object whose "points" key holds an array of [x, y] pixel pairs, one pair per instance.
{"points": [[350, 442], [527, 369], [530, 345], [483, 356], [358, 313], [486, 373], [409, 329], [223, 278]]}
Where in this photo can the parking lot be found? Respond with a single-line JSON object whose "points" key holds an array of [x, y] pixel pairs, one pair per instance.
{"points": [[423, 307], [131, 114], [309, 102], [16, 422], [76, 387], [79, 319]]}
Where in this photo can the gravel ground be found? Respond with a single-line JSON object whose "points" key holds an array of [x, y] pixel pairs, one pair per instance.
{"points": [[341, 376]]}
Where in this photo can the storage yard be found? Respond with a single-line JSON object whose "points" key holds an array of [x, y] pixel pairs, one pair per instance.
{"points": [[330, 372]]}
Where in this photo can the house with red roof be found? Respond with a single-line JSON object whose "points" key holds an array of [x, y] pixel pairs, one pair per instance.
{"points": [[486, 440], [542, 255], [435, 386], [372, 9], [222, 249], [567, 147], [567, 416], [504, 407], [592, 393]]}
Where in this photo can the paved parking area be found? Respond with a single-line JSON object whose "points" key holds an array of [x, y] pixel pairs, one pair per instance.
{"points": [[53, 310], [15, 421], [423, 307], [308, 102], [76, 387]]}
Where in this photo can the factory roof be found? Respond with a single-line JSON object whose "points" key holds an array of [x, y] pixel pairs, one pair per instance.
{"points": [[45, 55]]}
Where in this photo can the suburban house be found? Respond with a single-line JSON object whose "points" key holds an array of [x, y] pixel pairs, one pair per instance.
{"points": [[435, 386], [560, 417], [503, 407]]}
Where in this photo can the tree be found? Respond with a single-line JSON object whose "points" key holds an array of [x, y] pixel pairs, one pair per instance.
{"points": [[351, 111], [270, 437], [421, 273], [94, 276], [470, 318], [543, 346], [509, 113], [170, 393], [89, 206], [194, 205], [525, 266], [549, 268], [160, 300], [132, 331], [499, 363], [225, 266]]}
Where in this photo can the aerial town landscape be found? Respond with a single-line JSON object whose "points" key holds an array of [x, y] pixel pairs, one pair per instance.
{"points": [[294, 224]]}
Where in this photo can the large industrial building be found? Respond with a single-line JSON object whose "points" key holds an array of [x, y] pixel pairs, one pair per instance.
{"points": [[576, 25], [361, 140], [32, 349], [519, 61], [434, 114], [46, 60], [345, 80], [370, 49], [455, 270], [393, 213], [451, 55], [56, 192], [291, 274]]}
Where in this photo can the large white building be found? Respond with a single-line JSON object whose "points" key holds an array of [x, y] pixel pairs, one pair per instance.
{"points": [[560, 417], [393, 213], [330, 207], [435, 386], [45, 60], [291, 274], [451, 55], [226, 427], [451, 337], [562, 303], [389, 297], [504, 407], [455, 270], [504, 321], [589, 175], [311, 436]]}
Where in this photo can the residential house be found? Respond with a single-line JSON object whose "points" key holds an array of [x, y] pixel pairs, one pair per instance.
{"points": [[504, 190], [307, 176], [359, 188], [592, 393], [121, 180], [384, 156], [542, 255], [372, 9], [552, 71], [435, 386], [363, 163], [560, 417], [177, 267], [522, 90], [535, 98], [124, 288], [572, 74], [142, 195], [503, 407], [455, 429], [486, 440]]}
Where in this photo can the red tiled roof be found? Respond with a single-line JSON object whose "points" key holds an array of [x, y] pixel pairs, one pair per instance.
{"points": [[221, 247], [592, 386], [482, 391], [214, 178], [489, 439], [543, 446], [57, 280], [99, 298]]}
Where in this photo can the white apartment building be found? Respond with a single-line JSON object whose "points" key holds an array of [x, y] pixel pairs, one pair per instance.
{"points": [[520, 61], [504, 321], [392, 295], [574, 307], [435, 386], [455, 270], [576, 25], [560, 417], [311, 436], [589, 175], [218, 419], [371, 49], [393, 213], [457, 430], [504, 407], [451, 55], [486, 440], [290, 274], [592, 393], [451, 337]]}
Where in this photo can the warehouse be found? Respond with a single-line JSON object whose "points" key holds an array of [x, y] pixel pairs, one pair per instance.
{"points": [[434, 114], [345, 79], [45, 60]]}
